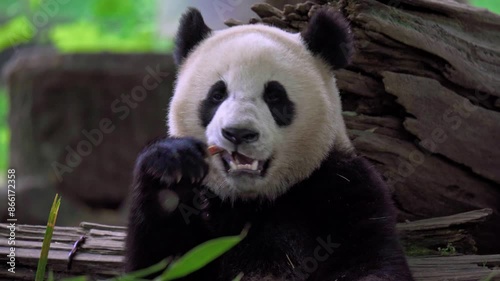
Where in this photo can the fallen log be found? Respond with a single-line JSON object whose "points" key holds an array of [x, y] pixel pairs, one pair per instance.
{"points": [[101, 256], [442, 235]]}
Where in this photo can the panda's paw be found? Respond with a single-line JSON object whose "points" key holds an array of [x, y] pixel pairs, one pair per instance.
{"points": [[173, 161]]}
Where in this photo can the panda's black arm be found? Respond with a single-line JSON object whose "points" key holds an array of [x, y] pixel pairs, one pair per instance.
{"points": [[155, 230]]}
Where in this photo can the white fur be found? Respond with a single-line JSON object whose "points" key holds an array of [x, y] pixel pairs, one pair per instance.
{"points": [[246, 57]]}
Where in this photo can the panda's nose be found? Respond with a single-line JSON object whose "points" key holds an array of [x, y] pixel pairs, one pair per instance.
{"points": [[239, 136]]}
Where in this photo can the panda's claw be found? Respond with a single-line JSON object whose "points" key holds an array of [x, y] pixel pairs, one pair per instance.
{"points": [[171, 160], [165, 179], [178, 177]]}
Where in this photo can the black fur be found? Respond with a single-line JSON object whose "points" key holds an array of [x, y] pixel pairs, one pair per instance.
{"points": [[150, 227], [276, 98], [208, 107], [192, 30], [339, 224], [240, 135], [328, 35]]}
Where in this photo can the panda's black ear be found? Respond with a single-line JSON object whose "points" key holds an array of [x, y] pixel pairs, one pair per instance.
{"points": [[192, 30], [329, 36]]}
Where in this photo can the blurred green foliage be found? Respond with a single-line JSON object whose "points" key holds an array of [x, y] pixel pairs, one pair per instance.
{"points": [[4, 132], [112, 25], [16, 31], [492, 5], [83, 25]]}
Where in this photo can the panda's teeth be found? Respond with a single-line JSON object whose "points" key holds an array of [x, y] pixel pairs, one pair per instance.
{"points": [[232, 165], [255, 165], [244, 166]]}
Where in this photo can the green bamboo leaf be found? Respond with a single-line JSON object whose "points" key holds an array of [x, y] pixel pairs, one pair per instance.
{"points": [[44, 254], [490, 277], [200, 256], [4, 133], [143, 273]]}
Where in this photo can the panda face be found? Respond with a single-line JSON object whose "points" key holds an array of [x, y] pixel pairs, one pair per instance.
{"points": [[262, 96], [246, 122]]}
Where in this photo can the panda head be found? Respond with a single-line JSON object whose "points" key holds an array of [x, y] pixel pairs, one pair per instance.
{"points": [[268, 97]]}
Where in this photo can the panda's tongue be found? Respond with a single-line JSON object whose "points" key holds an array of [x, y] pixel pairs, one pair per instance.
{"points": [[242, 159]]}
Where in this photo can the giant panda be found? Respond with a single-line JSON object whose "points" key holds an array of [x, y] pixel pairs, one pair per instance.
{"points": [[268, 99]]}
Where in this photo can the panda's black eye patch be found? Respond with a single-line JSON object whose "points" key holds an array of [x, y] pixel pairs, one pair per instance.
{"points": [[274, 94], [281, 107], [216, 95], [218, 92]]}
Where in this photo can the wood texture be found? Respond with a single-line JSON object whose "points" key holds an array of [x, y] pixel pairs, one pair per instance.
{"points": [[445, 114], [102, 254]]}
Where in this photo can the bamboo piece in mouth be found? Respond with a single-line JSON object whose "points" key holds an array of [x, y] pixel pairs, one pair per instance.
{"points": [[213, 149]]}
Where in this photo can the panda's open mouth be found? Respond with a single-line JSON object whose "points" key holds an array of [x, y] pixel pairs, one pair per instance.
{"points": [[236, 163]]}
